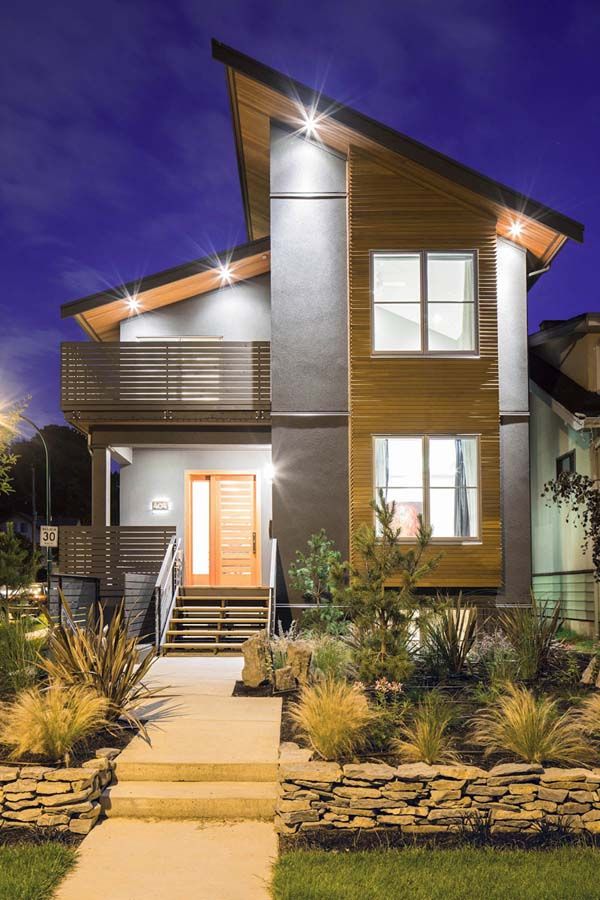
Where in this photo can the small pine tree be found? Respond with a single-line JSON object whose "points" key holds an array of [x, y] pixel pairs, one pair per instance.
{"points": [[382, 615], [18, 566], [311, 572]]}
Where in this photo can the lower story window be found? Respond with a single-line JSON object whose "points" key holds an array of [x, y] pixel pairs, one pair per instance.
{"points": [[435, 477]]}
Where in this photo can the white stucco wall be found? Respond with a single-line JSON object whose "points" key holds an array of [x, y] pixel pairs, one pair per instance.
{"points": [[237, 312], [159, 474]]}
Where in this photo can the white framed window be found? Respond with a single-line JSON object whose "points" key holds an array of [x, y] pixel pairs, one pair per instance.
{"points": [[436, 477], [424, 302]]}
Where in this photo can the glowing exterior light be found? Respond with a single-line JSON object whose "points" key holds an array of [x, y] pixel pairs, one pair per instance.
{"points": [[516, 229], [310, 122], [270, 472], [225, 273], [133, 303]]}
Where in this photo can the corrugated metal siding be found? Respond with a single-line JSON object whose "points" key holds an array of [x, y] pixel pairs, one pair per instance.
{"points": [[390, 211]]}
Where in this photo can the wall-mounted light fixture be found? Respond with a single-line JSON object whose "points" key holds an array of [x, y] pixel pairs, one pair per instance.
{"points": [[225, 273], [311, 121], [160, 505], [270, 472]]}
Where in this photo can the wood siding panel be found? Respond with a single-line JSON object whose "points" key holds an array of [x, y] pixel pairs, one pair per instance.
{"points": [[423, 395]]}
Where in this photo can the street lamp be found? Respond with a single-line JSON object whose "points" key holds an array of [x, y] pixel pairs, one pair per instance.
{"points": [[25, 418]]}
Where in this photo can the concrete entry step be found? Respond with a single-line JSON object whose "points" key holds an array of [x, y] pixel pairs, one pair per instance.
{"points": [[190, 800]]}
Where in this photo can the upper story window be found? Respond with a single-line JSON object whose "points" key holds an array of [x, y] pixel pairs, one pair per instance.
{"points": [[565, 463], [435, 477], [424, 302]]}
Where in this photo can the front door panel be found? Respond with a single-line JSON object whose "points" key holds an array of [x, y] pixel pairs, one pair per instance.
{"points": [[222, 530]]}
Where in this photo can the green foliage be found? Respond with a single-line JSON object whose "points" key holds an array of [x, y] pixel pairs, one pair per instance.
{"points": [[311, 572], [579, 496], [426, 737], [326, 618], [392, 706], [18, 566], [449, 636], [530, 728], [382, 617], [8, 458], [103, 658], [331, 658], [49, 722], [531, 631], [335, 718], [19, 654]]}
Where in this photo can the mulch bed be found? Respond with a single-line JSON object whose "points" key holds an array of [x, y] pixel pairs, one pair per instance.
{"points": [[81, 753]]}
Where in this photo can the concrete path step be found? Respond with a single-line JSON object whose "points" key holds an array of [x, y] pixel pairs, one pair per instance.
{"points": [[190, 800]]}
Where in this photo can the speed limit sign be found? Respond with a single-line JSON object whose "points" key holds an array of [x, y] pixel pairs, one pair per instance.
{"points": [[48, 536]]}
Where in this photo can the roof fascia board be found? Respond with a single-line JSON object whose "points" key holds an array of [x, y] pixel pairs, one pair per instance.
{"points": [[398, 142]]}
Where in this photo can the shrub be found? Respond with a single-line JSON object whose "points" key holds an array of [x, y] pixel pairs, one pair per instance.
{"points": [[334, 716], [331, 658], [382, 616], [531, 631], [494, 657], [311, 572], [449, 636], [19, 654], [104, 659], [426, 738], [49, 722], [531, 728], [326, 618], [392, 706]]}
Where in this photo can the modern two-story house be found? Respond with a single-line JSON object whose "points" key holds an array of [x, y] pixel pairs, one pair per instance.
{"points": [[372, 334]]}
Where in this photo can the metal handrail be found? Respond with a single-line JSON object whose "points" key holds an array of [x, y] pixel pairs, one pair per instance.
{"points": [[272, 586], [165, 589]]}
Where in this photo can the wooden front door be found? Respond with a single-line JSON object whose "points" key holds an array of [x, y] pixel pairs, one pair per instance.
{"points": [[221, 529]]}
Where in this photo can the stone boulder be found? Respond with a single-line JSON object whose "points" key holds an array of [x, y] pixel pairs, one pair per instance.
{"points": [[284, 679], [299, 655], [258, 665]]}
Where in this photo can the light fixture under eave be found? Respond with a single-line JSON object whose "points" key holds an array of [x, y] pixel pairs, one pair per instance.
{"points": [[133, 303], [311, 121], [225, 274], [516, 229]]}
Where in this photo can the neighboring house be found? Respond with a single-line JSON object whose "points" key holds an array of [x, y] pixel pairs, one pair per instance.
{"points": [[371, 334], [564, 360], [23, 525]]}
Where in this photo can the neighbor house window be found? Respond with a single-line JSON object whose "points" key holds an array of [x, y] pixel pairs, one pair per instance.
{"points": [[565, 463], [435, 477], [424, 302]]}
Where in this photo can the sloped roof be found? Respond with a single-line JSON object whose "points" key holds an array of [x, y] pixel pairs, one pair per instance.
{"points": [[259, 93]]}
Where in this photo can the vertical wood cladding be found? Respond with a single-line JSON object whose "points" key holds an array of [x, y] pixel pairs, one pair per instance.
{"points": [[423, 395]]}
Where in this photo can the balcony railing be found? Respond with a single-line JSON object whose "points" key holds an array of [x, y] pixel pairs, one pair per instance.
{"points": [[191, 376]]}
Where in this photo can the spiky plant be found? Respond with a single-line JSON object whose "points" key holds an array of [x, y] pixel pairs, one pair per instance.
{"points": [[531, 728], [331, 658], [449, 636], [104, 658], [19, 654], [425, 737], [334, 716], [531, 631], [50, 722]]}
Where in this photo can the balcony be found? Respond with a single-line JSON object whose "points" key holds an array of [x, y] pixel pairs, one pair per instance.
{"points": [[187, 381]]}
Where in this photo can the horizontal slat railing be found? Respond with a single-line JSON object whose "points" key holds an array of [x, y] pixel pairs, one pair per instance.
{"points": [[114, 554], [210, 375]]}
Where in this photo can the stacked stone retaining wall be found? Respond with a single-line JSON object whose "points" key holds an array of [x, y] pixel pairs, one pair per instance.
{"points": [[66, 799], [422, 799]]}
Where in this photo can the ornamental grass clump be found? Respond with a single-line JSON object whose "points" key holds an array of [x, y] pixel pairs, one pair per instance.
{"points": [[531, 631], [530, 728], [425, 737], [331, 658], [588, 716], [50, 721], [20, 650], [335, 717], [103, 658]]}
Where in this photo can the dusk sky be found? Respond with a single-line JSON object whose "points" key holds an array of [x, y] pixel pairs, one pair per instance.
{"points": [[116, 147]]}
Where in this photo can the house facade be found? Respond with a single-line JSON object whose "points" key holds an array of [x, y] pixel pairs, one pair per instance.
{"points": [[565, 418], [372, 334]]}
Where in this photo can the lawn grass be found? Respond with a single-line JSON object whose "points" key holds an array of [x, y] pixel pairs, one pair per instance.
{"points": [[439, 874], [33, 871]]}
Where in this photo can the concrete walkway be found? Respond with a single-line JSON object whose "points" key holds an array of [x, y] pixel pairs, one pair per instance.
{"points": [[211, 757]]}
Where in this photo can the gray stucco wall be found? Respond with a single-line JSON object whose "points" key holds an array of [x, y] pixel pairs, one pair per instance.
{"points": [[236, 312], [158, 473], [309, 354], [514, 422]]}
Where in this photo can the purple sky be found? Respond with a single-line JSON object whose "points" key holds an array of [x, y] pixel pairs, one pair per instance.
{"points": [[117, 156]]}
